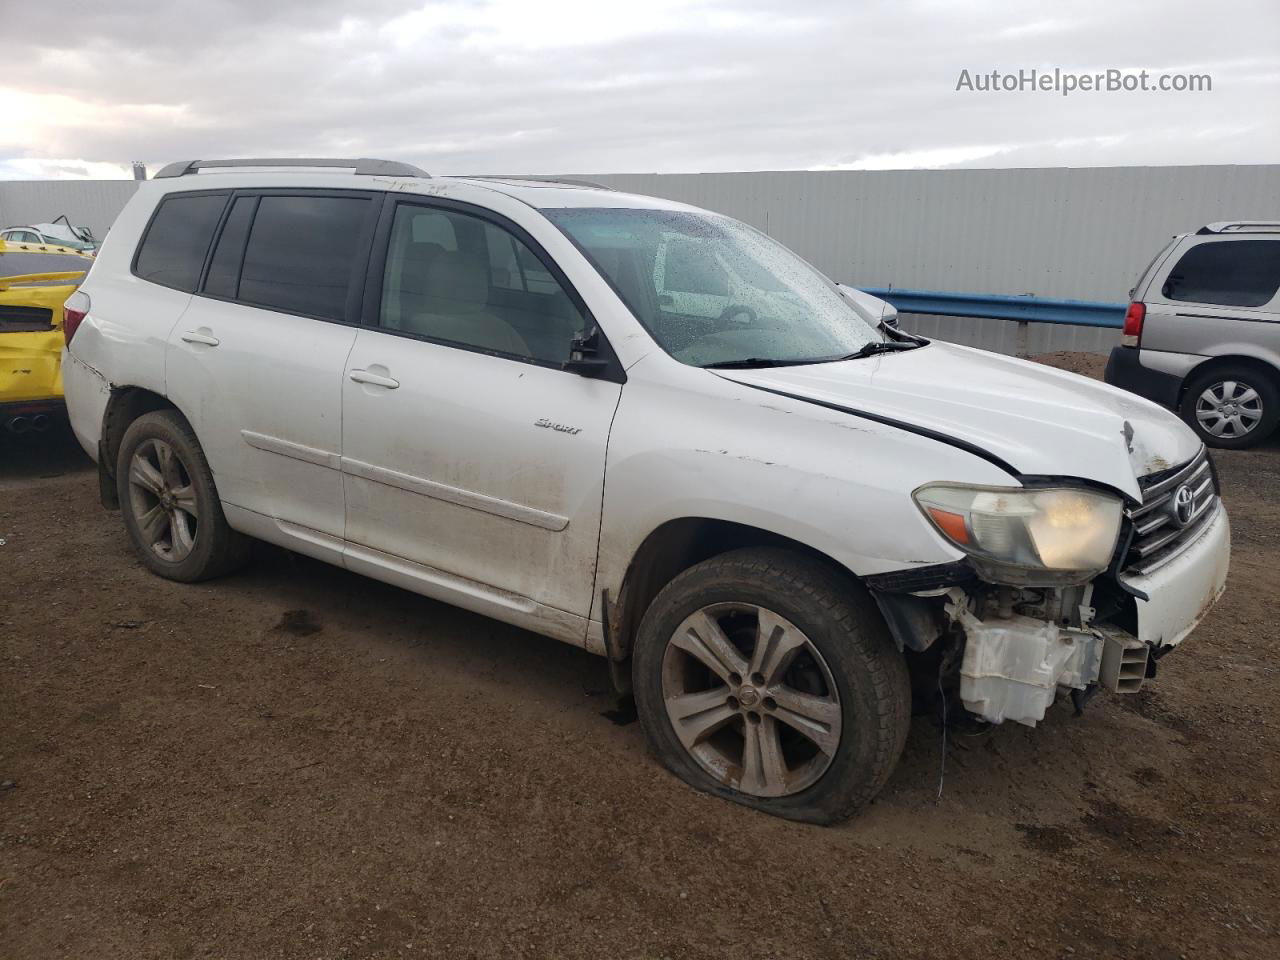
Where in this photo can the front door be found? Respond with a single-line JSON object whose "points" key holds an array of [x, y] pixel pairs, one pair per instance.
{"points": [[467, 450]]}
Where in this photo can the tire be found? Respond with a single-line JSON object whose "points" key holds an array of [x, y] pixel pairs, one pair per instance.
{"points": [[171, 511], [1240, 388], [847, 656]]}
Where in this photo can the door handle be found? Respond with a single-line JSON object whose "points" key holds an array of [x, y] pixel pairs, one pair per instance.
{"points": [[376, 379], [200, 336]]}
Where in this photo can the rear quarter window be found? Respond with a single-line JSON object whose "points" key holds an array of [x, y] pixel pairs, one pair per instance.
{"points": [[1231, 273], [173, 249]]}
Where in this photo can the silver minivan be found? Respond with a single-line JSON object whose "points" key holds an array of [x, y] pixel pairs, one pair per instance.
{"points": [[1202, 333]]}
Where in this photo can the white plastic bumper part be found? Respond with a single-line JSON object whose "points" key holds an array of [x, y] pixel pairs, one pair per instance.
{"points": [[1013, 667], [1185, 589]]}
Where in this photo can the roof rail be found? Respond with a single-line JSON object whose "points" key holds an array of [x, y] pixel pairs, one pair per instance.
{"points": [[1241, 226], [550, 181], [362, 166]]}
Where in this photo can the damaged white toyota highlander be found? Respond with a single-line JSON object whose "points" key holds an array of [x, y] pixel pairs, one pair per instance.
{"points": [[644, 429]]}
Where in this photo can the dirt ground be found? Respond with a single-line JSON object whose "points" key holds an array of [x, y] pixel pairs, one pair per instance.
{"points": [[298, 762]]}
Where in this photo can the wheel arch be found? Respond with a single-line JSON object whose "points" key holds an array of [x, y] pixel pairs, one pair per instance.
{"points": [[670, 549], [125, 405], [1264, 365]]}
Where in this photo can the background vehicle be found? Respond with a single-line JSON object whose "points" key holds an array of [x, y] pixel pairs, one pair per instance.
{"points": [[766, 512], [31, 341], [1202, 335], [59, 233]]}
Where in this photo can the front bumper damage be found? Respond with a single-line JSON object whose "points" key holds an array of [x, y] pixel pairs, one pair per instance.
{"points": [[1014, 666]]}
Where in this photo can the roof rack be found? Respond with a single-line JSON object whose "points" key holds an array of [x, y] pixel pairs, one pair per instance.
{"points": [[1241, 226], [362, 166], [549, 181]]}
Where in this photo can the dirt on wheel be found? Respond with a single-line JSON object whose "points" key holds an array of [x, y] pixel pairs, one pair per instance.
{"points": [[299, 762]]}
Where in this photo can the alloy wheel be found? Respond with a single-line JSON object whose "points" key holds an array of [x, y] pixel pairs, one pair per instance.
{"points": [[163, 500], [751, 699]]}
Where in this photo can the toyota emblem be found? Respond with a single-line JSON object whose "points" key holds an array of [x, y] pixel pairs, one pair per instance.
{"points": [[1184, 504]]}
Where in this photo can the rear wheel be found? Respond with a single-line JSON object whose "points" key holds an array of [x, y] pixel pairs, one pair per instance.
{"points": [[765, 677], [1232, 406], [170, 504]]}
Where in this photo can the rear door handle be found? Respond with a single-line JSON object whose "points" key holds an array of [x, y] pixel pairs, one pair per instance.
{"points": [[201, 336], [377, 379]]}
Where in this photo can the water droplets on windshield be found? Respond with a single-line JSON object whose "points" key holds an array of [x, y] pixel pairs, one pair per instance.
{"points": [[712, 290]]}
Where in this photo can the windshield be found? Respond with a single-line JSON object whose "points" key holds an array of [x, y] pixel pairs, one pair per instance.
{"points": [[713, 291]]}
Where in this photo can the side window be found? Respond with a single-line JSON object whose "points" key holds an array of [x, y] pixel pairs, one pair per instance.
{"points": [[301, 253], [173, 250], [1233, 273], [504, 267], [224, 269], [485, 289]]}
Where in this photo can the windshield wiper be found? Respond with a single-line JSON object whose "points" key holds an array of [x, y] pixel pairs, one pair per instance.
{"points": [[866, 350], [881, 346], [755, 363]]}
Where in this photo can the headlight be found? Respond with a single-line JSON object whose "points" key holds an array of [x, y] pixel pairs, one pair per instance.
{"points": [[1027, 535]]}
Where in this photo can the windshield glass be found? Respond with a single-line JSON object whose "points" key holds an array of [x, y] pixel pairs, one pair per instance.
{"points": [[712, 290]]}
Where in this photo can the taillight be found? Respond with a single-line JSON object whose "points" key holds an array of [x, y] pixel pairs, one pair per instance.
{"points": [[73, 311], [1133, 317]]}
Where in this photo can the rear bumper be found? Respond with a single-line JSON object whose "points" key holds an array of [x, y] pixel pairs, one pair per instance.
{"points": [[1125, 370], [87, 396], [29, 408], [30, 369]]}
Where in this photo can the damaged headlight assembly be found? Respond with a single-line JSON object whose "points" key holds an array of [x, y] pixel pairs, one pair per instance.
{"points": [[1027, 536]]}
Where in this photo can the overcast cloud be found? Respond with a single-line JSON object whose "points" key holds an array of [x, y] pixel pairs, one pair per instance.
{"points": [[557, 86]]}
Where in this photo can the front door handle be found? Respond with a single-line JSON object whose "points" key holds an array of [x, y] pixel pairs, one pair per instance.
{"points": [[202, 335], [377, 379]]}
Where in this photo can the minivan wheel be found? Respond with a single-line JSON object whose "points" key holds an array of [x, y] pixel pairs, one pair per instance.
{"points": [[1231, 407], [766, 677], [170, 504]]}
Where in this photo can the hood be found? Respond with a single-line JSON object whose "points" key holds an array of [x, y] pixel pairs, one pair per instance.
{"points": [[1039, 420]]}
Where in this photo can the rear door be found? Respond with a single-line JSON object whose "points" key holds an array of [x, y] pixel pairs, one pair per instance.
{"points": [[257, 359], [467, 450]]}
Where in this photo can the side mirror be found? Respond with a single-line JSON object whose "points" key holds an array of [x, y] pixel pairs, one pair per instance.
{"points": [[585, 357]]}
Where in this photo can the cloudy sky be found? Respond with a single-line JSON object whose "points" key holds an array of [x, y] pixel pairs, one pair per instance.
{"points": [[558, 86]]}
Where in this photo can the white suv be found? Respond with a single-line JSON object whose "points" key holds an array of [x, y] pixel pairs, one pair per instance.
{"points": [[644, 429]]}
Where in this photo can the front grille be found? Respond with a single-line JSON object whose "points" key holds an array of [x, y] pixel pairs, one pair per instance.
{"points": [[1159, 534]]}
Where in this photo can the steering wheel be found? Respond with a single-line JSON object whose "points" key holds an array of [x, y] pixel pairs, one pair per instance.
{"points": [[739, 309]]}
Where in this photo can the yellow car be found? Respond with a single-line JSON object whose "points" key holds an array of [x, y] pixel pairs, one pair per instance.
{"points": [[31, 318]]}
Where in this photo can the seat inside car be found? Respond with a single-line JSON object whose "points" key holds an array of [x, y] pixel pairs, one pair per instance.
{"points": [[445, 295]]}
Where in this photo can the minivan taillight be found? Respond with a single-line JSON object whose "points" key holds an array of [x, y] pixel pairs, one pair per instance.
{"points": [[73, 311], [1133, 318]]}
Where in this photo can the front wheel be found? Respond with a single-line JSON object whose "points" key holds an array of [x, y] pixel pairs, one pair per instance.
{"points": [[766, 677]]}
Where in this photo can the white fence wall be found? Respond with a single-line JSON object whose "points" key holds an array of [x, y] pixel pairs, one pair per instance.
{"points": [[1073, 233]]}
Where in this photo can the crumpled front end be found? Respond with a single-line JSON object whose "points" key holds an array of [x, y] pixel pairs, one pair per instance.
{"points": [[1008, 652]]}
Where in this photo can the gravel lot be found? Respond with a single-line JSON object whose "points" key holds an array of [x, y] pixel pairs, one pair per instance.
{"points": [[298, 762]]}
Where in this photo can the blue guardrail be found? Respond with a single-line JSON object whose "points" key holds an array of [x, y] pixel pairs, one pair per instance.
{"points": [[1080, 313]]}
